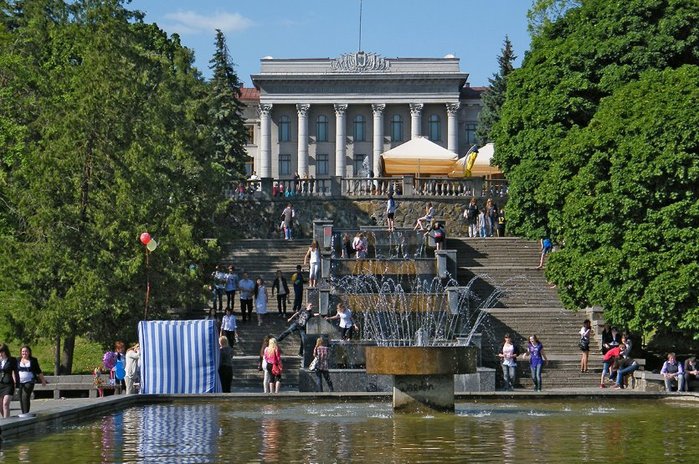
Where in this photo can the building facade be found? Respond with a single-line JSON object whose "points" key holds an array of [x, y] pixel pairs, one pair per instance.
{"points": [[326, 117]]}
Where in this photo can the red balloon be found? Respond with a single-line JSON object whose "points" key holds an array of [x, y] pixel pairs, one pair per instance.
{"points": [[145, 238]]}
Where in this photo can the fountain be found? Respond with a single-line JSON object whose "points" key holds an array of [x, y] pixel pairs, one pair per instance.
{"points": [[417, 324]]}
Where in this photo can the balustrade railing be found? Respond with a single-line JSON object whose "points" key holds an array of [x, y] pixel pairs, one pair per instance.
{"points": [[353, 187]]}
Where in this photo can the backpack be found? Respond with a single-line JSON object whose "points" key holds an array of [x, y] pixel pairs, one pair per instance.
{"points": [[438, 234], [120, 369]]}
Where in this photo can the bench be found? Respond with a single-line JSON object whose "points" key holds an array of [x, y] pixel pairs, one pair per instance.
{"points": [[74, 385], [650, 381]]}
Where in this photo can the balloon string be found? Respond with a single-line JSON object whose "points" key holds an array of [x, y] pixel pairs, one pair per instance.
{"points": [[145, 313]]}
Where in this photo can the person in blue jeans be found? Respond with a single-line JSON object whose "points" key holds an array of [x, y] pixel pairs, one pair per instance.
{"points": [[508, 354], [624, 366], [672, 372], [537, 357]]}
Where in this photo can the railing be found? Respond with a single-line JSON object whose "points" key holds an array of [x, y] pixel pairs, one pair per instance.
{"points": [[343, 187], [362, 186]]}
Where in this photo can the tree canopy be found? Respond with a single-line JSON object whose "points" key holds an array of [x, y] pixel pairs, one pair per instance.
{"points": [[598, 139], [105, 126]]}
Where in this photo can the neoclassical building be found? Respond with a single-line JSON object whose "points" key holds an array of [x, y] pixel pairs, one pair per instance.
{"points": [[326, 117]]}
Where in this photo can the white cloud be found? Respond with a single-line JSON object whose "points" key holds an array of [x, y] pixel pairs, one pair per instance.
{"points": [[191, 22]]}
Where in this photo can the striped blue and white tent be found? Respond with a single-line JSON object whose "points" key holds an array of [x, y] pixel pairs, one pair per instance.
{"points": [[179, 357]]}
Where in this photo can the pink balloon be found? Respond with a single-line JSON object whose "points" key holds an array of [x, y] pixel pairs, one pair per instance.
{"points": [[145, 238]]}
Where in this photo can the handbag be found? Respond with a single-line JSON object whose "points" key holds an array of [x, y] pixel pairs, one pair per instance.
{"points": [[314, 364], [584, 344]]}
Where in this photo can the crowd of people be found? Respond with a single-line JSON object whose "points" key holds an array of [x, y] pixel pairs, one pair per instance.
{"points": [[270, 361], [618, 363], [488, 221]]}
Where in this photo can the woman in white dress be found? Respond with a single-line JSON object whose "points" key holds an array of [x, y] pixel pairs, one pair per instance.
{"points": [[260, 299]]}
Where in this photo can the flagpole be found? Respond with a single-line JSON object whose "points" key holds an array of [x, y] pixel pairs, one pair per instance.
{"points": [[360, 26]]}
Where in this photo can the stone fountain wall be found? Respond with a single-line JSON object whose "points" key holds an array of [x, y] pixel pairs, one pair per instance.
{"points": [[261, 218]]}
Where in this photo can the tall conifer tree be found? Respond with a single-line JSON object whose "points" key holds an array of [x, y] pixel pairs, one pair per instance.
{"points": [[494, 97], [225, 112]]}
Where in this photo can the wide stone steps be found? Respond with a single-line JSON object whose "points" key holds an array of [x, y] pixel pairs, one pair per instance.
{"points": [[250, 335], [558, 373], [558, 329], [265, 257], [246, 375], [521, 287], [495, 252]]}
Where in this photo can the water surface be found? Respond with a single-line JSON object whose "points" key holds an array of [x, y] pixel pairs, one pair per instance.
{"points": [[323, 431]]}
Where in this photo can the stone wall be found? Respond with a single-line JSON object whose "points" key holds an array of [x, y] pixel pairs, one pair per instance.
{"points": [[261, 218]]}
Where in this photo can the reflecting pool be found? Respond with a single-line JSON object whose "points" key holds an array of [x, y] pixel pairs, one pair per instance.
{"points": [[600, 430]]}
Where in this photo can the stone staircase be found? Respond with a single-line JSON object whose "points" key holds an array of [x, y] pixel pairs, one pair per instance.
{"points": [[246, 352], [263, 257], [528, 306]]}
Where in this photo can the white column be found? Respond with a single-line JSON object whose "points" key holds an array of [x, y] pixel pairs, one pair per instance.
{"points": [[302, 110], [378, 109], [415, 119], [264, 170], [340, 136], [452, 127]]}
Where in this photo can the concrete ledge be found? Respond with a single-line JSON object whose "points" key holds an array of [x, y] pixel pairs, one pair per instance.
{"points": [[59, 384]]}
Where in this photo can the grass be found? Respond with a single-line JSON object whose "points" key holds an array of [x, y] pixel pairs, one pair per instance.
{"points": [[86, 357]]}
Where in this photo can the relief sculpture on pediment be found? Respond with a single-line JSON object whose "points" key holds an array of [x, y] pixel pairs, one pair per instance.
{"points": [[359, 62]]}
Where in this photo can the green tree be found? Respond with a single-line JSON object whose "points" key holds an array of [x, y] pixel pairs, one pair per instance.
{"points": [[575, 62], [119, 146], [494, 97], [226, 114], [551, 147], [544, 12], [631, 221]]}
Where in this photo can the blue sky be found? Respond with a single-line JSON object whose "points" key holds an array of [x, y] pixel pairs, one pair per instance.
{"points": [[472, 30]]}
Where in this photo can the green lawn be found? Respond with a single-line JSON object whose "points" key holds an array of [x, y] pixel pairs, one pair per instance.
{"points": [[88, 355]]}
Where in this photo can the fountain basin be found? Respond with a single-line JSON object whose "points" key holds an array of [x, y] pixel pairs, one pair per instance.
{"points": [[423, 376], [420, 360]]}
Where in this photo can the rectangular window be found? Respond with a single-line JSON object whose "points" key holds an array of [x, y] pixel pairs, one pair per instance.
{"points": [[250, 135], [359, 128], [470, 133], [435, 128], [284, 129], [284, 165], [322, 168], [322, 129], [396, 128], [360, 170]]}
